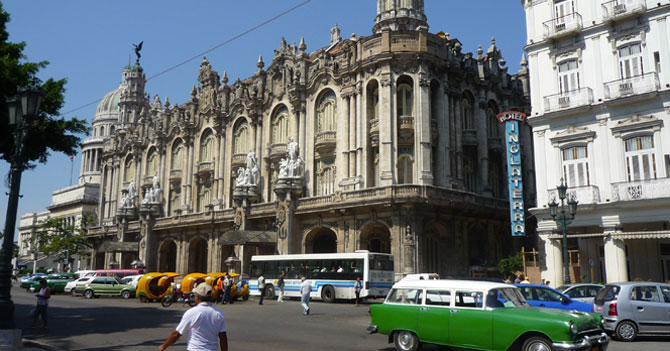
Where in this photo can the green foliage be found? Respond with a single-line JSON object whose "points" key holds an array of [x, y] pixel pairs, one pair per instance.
{"points": [[56, 237], [511, 264], [48, 131]]}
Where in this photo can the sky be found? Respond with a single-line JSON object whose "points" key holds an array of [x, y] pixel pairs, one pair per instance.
{"points": [[89, 43]]}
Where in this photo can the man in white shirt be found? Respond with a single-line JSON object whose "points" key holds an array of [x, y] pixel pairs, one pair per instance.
{"points": [[305, 290], [204, 323], [261, 287]]}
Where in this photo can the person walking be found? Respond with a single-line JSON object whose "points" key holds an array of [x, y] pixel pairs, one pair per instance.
{"points": [[205, 324], [261, 287], [305, 290], [226, 290], [42, 303], [280, 284], [358, 286]]}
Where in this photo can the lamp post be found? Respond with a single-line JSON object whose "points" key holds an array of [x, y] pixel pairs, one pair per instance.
{"points": [[22, 111], [563, 220]]}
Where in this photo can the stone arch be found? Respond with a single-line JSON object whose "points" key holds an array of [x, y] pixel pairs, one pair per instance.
{"points": [[375, 237], [279, 132], [197, 255], [321, 240], [167, 256], [207, 147], [241, 133]]}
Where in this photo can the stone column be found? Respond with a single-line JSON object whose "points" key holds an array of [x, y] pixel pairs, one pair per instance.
{"points": [[553, 253], [387, 127], [483, 149], [360, 131], [458, 133], [616, 269], [422, 127], [444, 130]]}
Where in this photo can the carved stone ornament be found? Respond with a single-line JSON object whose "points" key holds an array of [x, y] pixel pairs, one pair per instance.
{"points": [[637, 122], [573, 133]]}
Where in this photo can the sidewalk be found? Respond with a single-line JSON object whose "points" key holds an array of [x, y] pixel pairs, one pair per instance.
{"points": [[34, 345]]}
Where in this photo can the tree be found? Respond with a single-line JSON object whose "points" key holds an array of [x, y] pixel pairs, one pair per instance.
{"points": [[511, 264], [57, 237], [48, 131]]}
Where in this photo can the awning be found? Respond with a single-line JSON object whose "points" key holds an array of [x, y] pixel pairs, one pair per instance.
{"points": [[237, 237], [118, 246]]}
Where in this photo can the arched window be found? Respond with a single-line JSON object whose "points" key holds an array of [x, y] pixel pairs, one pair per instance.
{"points": [[241, 137], [405, 97], [467, 118], [373, 100], [469, 173], [152, 162], [129, 170], [111, 130], [102, 131], [325, 182], [204, 196], [178, 155], [207, 147], [405, 168], [280, 126], [326, 112], [492, 125], [175, 198]]}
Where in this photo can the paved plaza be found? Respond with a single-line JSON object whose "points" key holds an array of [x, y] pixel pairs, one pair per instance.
{"points": [[112, 324]]}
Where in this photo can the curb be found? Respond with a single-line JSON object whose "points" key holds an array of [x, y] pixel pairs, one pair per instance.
{"points": [[39, 345]]}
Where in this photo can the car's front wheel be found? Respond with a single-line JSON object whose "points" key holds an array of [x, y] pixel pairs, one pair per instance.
{"points": [[536, 343], [125, 294], [88, 294], [626, 331], [406, 341]]}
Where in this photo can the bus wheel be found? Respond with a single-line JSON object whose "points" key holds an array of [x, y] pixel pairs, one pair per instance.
{"points": [[328, 294], [269, 291]]}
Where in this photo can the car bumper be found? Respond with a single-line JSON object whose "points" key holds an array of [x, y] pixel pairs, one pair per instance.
{"points": [[595, 342], [372, 328], [609, 324]]}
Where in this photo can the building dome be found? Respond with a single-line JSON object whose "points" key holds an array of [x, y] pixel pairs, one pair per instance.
{"points": [[108, 106]]}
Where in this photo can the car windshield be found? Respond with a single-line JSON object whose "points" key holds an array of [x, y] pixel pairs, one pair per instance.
{"points": [[505, 298]]}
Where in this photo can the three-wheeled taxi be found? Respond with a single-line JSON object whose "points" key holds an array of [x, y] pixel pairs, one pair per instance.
{"points": [[153, 286]]}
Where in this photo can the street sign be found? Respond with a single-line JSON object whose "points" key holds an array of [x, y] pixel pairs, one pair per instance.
{"points": [[514, 172]]}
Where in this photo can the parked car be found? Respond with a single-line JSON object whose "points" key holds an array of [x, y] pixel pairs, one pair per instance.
{"points": [[633, 308], [71, 285], [110, 286], [479, 315], [132, 279], [581, 292], [544, 296], [55, 281], [26, 283], [421, 276]]}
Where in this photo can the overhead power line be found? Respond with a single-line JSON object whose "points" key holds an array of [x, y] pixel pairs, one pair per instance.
{"points": [[197, 56]]}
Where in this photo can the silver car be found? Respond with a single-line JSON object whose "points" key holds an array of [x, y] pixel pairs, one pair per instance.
{"points": [[633, 308], [581, 292]]}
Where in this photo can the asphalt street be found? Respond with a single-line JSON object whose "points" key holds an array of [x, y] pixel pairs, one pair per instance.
{"points": [[111, 324]]}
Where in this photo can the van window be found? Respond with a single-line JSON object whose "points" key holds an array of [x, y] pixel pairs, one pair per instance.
{"points": [[647, 293], [469, 299], [438, 297], [665, 290], [405, 296]]}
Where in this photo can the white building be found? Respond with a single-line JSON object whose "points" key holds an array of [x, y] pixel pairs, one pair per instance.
{"points": [[600, 83]]}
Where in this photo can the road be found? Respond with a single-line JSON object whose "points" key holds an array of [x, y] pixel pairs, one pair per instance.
{"points": [[112, 324]]}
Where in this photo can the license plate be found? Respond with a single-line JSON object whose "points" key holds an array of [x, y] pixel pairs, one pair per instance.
{"points": [[595, 348]]}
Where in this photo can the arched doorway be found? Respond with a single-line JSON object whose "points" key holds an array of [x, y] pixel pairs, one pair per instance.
{"points": [[197, 255], [167, 257], [375, 237], [322, 240]]}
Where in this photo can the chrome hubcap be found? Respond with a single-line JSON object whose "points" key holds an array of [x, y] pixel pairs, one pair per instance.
{"points": [[539, 346], [406, 340], [626, 331]]}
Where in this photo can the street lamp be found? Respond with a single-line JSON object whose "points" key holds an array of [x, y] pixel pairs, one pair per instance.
{"points": [[22, 110], [563, 220]]}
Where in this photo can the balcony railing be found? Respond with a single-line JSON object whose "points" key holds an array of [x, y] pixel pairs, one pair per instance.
{"points": [[278, 150], [470, 137], [570, 99], [563, 25], [589, 194], [618, 9], [239, 160], [175, 175], [325, 141], [641, 84], [641, 190], [206, 167]]}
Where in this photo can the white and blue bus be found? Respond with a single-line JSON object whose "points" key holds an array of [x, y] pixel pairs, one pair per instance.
{"points": [[332, 275]]}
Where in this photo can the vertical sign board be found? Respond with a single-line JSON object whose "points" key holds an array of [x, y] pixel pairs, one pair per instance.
{"points": [[516, 205]]}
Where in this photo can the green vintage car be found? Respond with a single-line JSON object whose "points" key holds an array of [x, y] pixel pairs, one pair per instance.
{"points": [[480, 315], [55, 281], [108, 286]]}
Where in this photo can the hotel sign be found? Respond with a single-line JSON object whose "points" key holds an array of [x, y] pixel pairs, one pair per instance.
{"points": [[516, 205]]}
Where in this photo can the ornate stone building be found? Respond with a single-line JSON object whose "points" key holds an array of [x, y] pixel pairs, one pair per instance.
{"points": [[387, 143]]}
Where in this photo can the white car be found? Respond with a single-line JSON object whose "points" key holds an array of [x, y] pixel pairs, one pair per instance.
{"points": [[132, 279], [421, 276], [581, 292], [69, 287]]}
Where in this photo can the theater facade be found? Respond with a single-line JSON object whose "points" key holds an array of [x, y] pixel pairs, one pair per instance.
{"points": [[386, 142]]}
